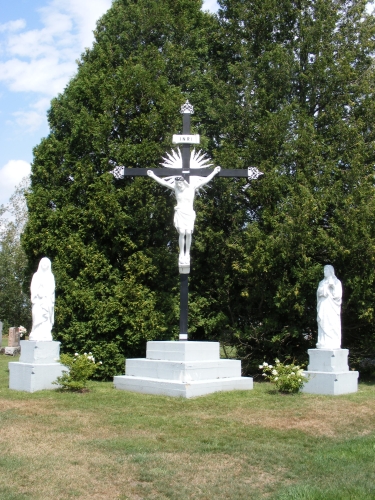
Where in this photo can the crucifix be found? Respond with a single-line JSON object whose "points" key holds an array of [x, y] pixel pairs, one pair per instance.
{"points": [[184, 172]]}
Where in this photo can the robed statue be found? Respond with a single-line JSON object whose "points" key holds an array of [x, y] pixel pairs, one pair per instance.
{"points": [[329, 297], [43, 302]]}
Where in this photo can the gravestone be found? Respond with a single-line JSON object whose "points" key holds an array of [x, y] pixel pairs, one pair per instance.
{"points": [[14, 337], [184, 368], [13, 342], [1, 334], [328, 370]]}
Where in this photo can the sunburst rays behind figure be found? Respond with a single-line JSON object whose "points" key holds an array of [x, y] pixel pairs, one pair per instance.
{"points": [[197, 159]]}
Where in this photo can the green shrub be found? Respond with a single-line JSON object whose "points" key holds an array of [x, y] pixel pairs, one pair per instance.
{"points": [[287, 378], [81, 368]]}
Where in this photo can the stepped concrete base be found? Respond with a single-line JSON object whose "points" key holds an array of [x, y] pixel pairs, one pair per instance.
{"points": [[185, 369], [37, 367], [328, 373]]}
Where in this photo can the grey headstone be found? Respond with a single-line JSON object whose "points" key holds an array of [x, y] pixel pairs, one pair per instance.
{"points": [[1, 333], [14, 337]]}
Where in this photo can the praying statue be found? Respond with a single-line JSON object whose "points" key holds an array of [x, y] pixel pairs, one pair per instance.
{"points": [[329, 295], [184, 216], [43, 302]]}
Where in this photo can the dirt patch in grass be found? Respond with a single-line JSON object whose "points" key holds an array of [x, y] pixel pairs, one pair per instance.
{"points": [[57, 464], [205, 476], [316, 417]]}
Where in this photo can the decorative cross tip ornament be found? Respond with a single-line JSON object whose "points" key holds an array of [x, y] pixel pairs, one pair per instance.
{"points": [[187, 108], [253, 173], [118, 172]]}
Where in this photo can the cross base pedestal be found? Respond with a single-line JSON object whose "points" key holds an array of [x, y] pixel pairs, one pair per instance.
{"points": [[185, 369]]}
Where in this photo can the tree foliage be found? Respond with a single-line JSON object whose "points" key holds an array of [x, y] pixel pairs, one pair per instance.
{"points": [[14, 299], [111, 241], [286, 86], [302, 73]]}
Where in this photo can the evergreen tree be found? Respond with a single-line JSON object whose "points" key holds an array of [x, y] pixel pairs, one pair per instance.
{"points": [[111, 242], [300, 79]]}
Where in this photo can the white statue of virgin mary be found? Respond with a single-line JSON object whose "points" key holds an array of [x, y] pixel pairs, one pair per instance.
{"points": [[329, 297], [43, 302]]}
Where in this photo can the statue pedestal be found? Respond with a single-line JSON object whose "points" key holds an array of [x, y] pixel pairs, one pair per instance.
{"points": [[185, 369], [329, 373], [37, 367]]}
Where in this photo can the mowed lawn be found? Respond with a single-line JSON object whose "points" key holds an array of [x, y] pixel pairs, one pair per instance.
{"points": [[110, 444]]}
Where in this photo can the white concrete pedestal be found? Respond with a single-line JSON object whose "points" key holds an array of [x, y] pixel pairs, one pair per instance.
{"points": [[37, 367], [186, 369], [329, 373]]}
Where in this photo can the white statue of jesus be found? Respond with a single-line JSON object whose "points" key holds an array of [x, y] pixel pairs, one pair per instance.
{"points": [[329, 296], [184, 216]]}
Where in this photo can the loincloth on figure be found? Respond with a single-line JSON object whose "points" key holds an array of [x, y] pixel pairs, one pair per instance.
{"points": [[184, 220]]}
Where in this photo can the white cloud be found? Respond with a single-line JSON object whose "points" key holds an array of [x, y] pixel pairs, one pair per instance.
{"points": [[17, 25], [210, 5], [11, 175], [42, 61], [29, 120]]}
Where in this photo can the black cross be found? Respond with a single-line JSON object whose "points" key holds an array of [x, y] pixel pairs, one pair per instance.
{"points": [[186, 140]]}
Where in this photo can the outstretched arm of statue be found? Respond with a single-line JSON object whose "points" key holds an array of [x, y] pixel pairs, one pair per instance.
{"points": [[205, 180], [159, 180]]}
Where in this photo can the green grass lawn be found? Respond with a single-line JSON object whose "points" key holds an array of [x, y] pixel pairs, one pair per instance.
{"points": [[110, 444]]}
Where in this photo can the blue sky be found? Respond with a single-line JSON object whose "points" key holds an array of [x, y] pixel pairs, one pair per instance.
{"points": [[40, 41]]}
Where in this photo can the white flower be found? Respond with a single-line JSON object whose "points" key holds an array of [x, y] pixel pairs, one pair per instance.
{"points": [[277, 361], [270, 366], [274, 372], [276, 378], [100, 363], [265, 364], [260, 366], [85, 353], [90, 353], [76, 354], [264, 374], [299, 380], [292, 373]]}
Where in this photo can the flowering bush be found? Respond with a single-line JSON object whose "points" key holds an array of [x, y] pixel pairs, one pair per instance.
{"points": [[22, 331], [287, 378], [81, 368]]}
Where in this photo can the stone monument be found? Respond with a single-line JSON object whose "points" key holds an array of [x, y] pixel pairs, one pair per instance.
{"points": [[184, 368], [13, 342], [38, 365], [14, 337], [328, 370], [1, 334]]}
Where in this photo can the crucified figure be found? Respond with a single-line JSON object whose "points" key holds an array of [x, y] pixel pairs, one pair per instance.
{"points": [[184, 216]]}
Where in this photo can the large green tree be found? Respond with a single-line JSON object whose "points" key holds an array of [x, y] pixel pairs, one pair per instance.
{"points": [[300, 85], [111, 242]]}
